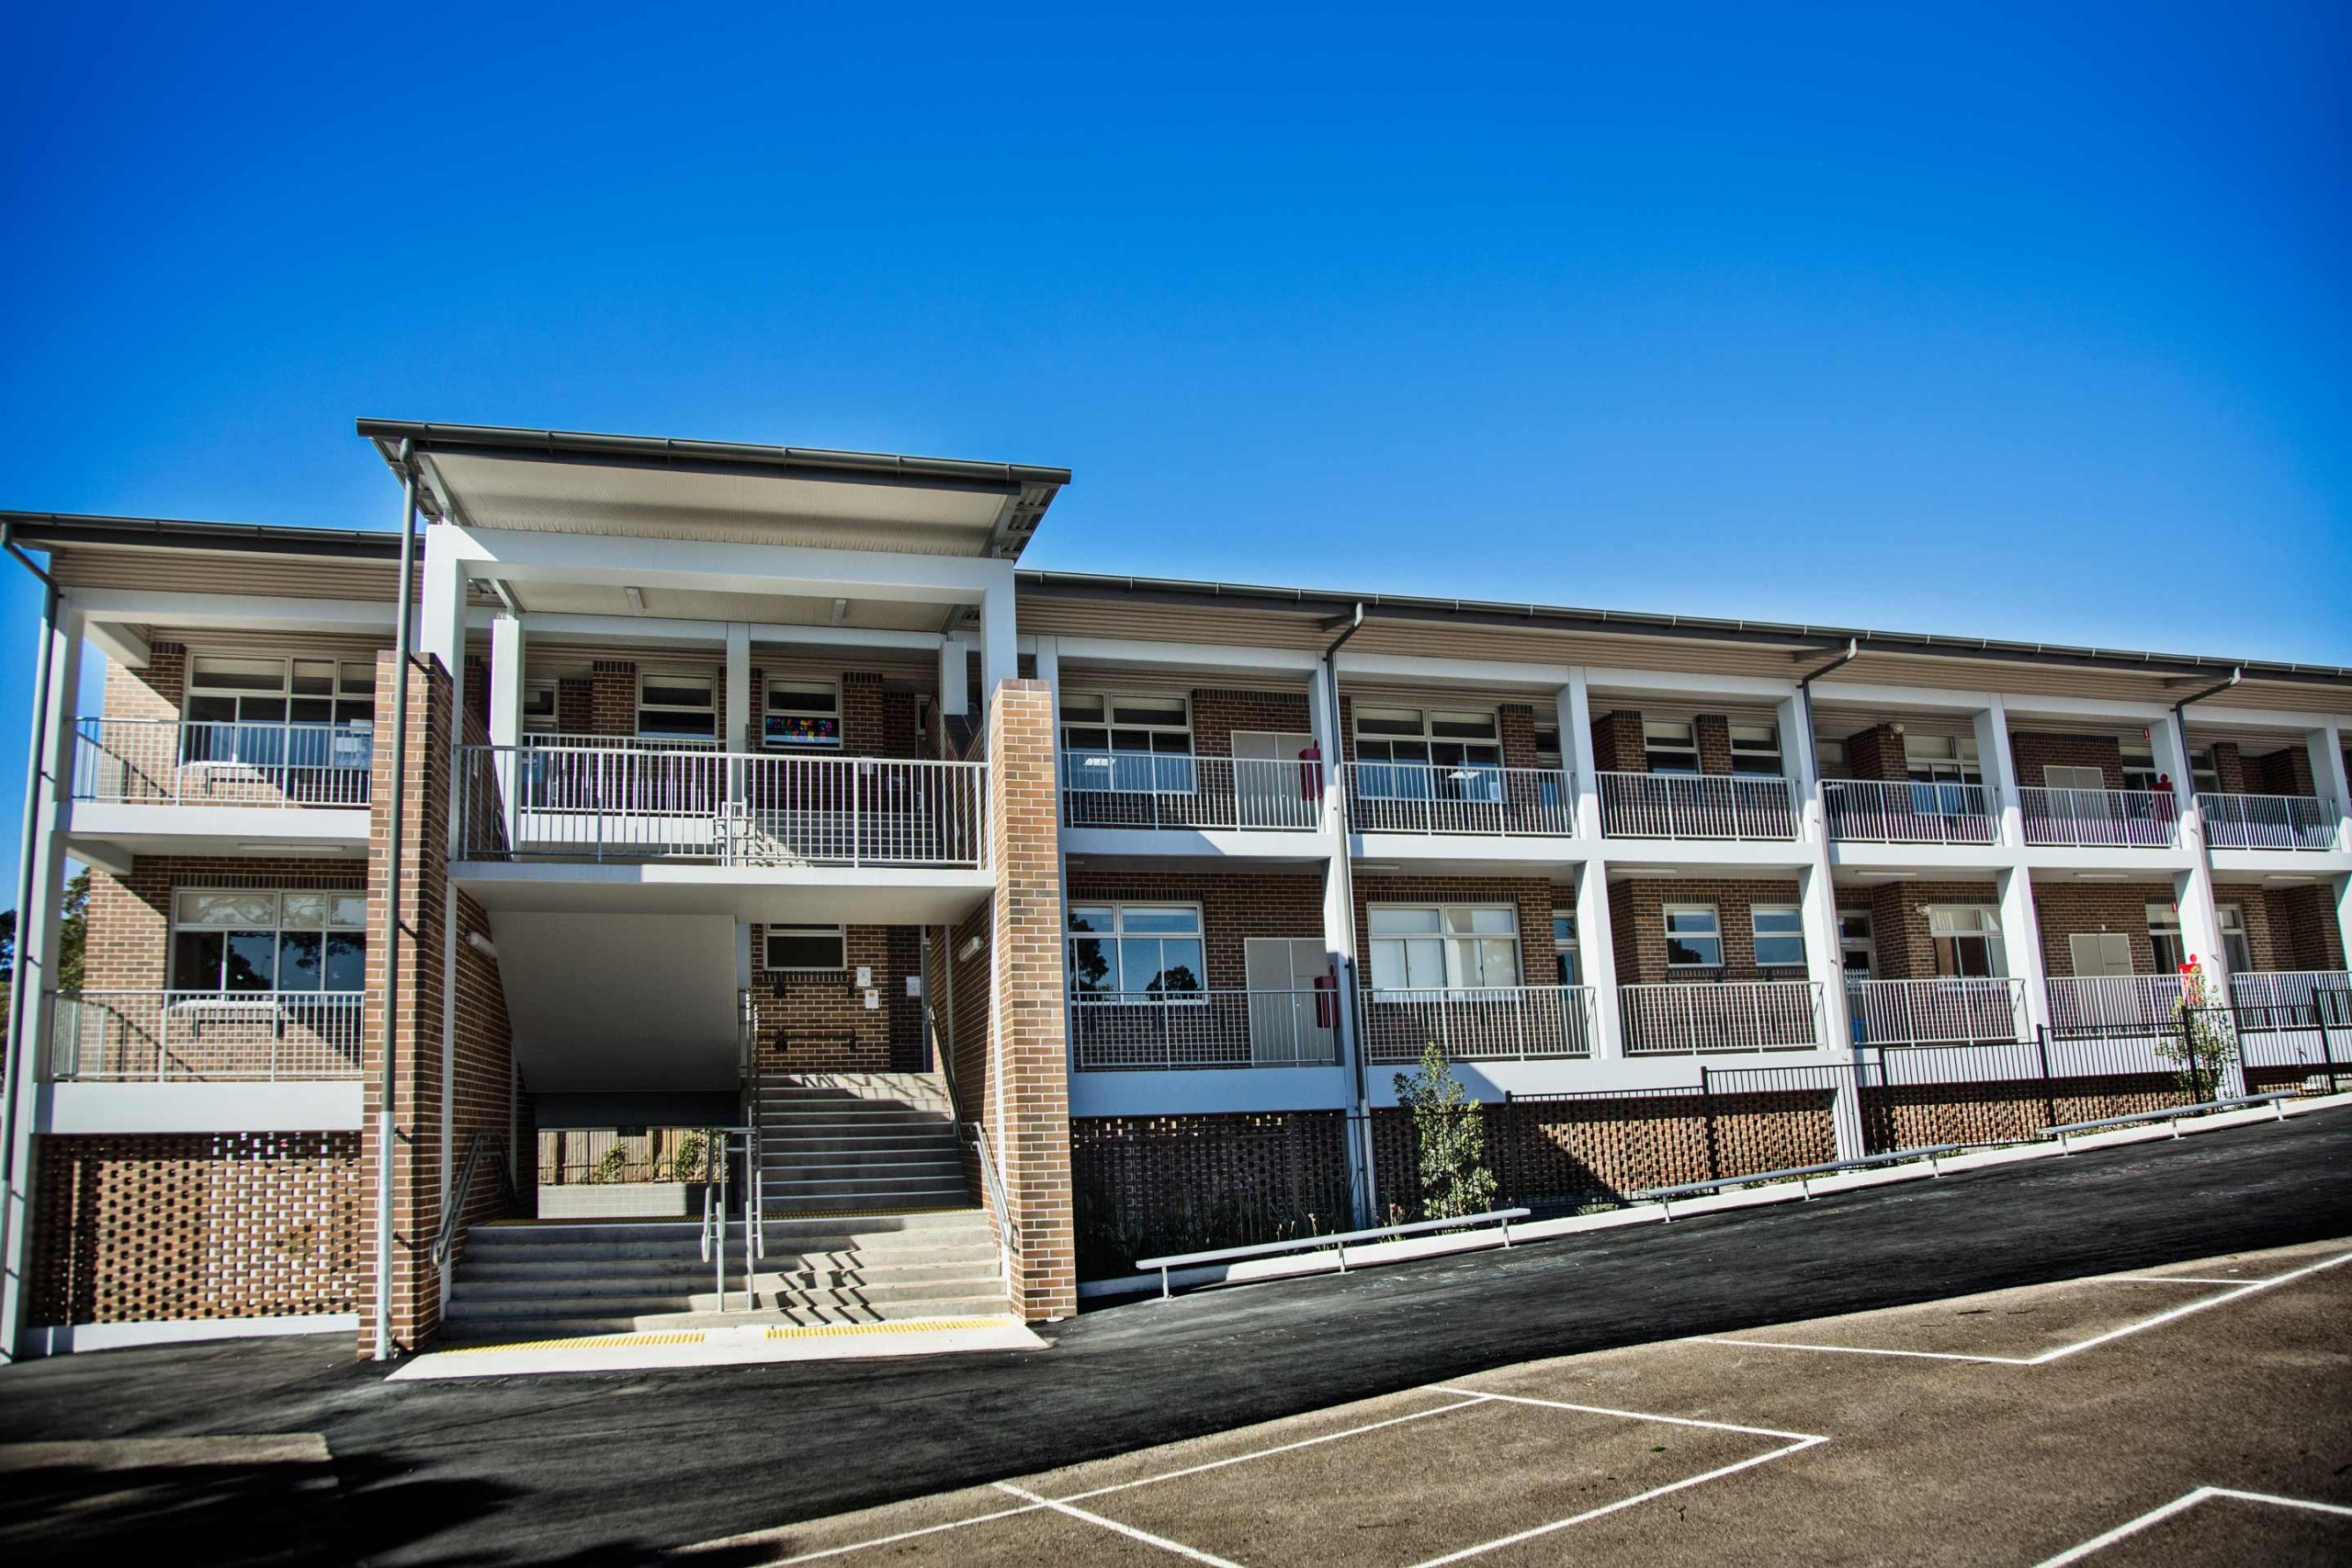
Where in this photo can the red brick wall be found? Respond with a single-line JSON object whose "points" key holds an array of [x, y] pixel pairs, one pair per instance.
{"points": [[1148, 1185], [1637, 913], [2066, 909], [482, 1085], [2230, 768], [1877, 753], [152, 693], [1617, 742], [134, 1229], [1217, 713], [2032, 751], [128, 947], [1713, 732], [2303, 931], [1906, 951], [1233, 909], [2287, 771], [817, 1021]]}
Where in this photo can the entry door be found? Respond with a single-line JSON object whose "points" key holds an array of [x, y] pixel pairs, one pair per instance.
{"points": [[1291, 1017], [1268, 780]]}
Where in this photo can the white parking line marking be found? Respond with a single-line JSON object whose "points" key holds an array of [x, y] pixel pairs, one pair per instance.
{"points": [[1623, 1503], [1162, 1541], [1635, 1415], [2239, 1288], [2181, 1505], [2164, 1280]]}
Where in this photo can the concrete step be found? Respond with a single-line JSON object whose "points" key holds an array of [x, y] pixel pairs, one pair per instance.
{"points": [[882, 1285], [889, 1256], [569, 1326], [863, 1159]]}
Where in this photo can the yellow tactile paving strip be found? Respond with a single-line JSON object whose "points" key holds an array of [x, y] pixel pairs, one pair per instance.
{"points": [[591, 1342]]}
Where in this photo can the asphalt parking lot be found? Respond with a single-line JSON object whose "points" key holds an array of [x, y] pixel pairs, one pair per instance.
{"points": [[2194, 1413]]}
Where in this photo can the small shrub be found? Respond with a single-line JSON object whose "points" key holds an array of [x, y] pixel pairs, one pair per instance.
{"points": [[1450, 1133]]}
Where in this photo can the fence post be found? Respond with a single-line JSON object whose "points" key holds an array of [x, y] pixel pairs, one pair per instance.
{"points": [[2048, 1095], [1707, 1108], [2326, 1048]]}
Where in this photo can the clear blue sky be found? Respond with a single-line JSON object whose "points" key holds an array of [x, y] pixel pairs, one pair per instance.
{"points": [[2026, 321]]}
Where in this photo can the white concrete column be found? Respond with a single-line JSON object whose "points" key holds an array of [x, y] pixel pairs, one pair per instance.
{"points": [[2200, 915], [1824, 952], [441, 609], [2343, 890], [739, 733], [32, 998], [2021, 943], [955, 677], [1596, 959], [2325, 746], [1323, 723], [1999, 767], [1574, 702], [1824, 961], [1000, 655], [506, 639]]}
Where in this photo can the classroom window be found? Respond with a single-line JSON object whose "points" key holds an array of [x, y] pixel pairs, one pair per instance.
{"points": [[1565, 954], [1125, 742], [1779, 930], [1133, 952], [1694, 937], [314, 712], [1967, 939], [802, 715], [1671, 745], [246, 941], [2164, 935], [1756, 750], [677, 707], [1443, 947], [805, 947]]}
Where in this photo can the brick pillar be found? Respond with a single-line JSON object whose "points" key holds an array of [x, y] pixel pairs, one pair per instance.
{"points": [[1028, 1100], [415, 1009], [1713, 733]]}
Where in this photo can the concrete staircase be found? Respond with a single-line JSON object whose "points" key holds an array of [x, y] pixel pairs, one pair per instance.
{"points": [[869, 1221], [847, 1142], [529, 1281]]}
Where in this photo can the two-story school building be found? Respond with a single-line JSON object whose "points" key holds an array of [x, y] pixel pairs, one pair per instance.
{"points": [[659, 842]]}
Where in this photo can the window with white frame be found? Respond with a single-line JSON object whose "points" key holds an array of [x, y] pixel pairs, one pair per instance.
{"points": [[539, 707], [2140, 770], [1427, 753], [314, 712], [802, 715], [1942, 769], [804, 948], [1671, 745], [676, 706], [1565, 954], [1135, 953], [2073, 776], [1967, 940], [1830, 756], [1128, 743], [1756, 750], [1431, 947], [2172, 952], [1779, 930], [1694, 937], [1857, 946], [255, 939]]}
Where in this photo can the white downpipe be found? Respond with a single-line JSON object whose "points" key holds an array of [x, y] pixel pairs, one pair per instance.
{"points": [[404, 649]]}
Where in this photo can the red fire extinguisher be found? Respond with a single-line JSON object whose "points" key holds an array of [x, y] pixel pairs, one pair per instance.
{"points": [[1310, 772], [1327, 1000]]}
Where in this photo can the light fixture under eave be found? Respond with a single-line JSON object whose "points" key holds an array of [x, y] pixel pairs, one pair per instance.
{"points": [[293, 849], [841, 611], [635, 597], [1652, 871], [2289, 877], [2102, 876]]}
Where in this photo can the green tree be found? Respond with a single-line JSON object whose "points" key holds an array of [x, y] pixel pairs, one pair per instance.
{"points": [[73, 929], [1452, 1137], [2202, 1044]]}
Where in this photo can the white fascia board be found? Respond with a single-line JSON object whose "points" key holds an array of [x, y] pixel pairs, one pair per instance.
{"points": [[1419, 670], [118, 643], [1227, 843], [1865, 694], [2264, 719], [2288, 863], [1681, 684], [1147, 655], [2084, 707], [1205, 1091], [2056, 860], [75, 1108], [243, 611], [1934, 858], [658, 631], [1435, 852], [524, 556], [1791, 855], [246, 824]]}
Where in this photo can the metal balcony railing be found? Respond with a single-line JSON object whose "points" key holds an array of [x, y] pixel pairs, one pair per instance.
{"points": [[205, 1036], [170, 762], [2268, 821], [1869, 811], [1676, 1020], [1468, 799], [2097, 1004], [1695, 806], [1135, 1031], [1139, 789], [2137, 819], [1946, 1012], [2330, 990], [1479, 1023], [631, 802]]}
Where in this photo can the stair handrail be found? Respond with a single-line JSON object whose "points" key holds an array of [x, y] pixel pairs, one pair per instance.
{"points": [[1007, 1239], [453, 1201]]}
